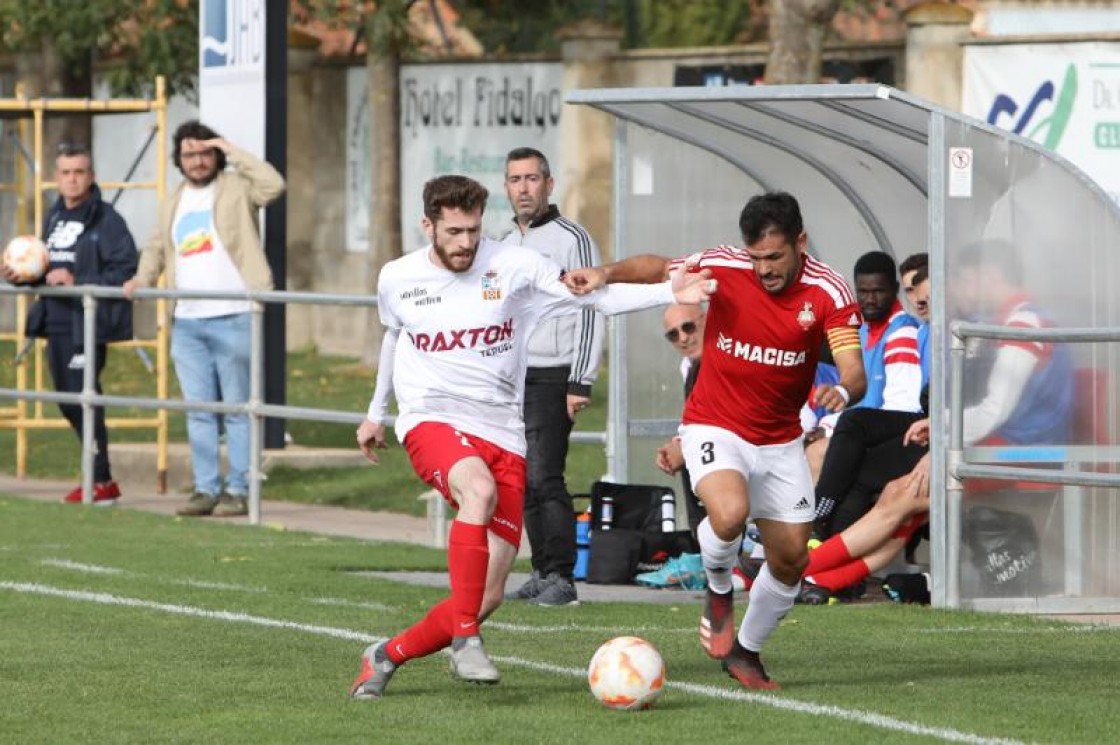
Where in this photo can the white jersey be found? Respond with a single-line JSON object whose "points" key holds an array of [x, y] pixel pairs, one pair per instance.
{"points": [[463, 336]]}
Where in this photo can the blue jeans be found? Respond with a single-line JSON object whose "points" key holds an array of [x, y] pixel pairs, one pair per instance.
{"points": [[212, 362]]}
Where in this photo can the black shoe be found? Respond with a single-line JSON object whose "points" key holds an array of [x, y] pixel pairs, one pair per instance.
{"points": [[532, 587], [851, 592], [813, 594], [557, 591], [717, 624], [746, 667], [907, 588]]}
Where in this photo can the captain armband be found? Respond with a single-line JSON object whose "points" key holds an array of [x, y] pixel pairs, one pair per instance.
{"points": [[842, 339]]}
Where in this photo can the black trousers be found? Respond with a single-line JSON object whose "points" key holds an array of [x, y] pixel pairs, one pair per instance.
{"points": [[550, 520], [68, 379], [864, 453], [694, 508]]}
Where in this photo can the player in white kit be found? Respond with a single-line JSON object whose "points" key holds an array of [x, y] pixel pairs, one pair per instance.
{"points": [[458, 316]]}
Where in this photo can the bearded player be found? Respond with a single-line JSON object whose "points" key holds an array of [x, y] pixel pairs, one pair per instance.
{"points": [[458, 317], [741, 432]]}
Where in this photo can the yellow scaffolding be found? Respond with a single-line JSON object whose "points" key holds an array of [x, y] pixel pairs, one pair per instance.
{"points": [[31, 113]]}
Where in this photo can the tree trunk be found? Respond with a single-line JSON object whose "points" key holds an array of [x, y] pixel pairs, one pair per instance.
{"points": [[797, 32], [383, 69], [45, 75]]}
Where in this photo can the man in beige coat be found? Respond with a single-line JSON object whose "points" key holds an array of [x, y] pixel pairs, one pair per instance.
{"points": [[208, 239]]}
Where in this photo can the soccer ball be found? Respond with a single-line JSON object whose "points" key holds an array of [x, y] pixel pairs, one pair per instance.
{"points": [[626, 673], [27, 256]]}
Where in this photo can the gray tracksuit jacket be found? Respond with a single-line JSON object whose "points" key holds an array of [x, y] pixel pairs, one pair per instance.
{"points": [[572, 340]]}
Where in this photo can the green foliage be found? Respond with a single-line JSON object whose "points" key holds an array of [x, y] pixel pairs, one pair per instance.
{"points": [[690, 23], [508, 27], [128, 627], [504, 26], [147, 37]]}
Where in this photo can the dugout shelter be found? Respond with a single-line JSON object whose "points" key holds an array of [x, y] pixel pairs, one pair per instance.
{"points": [[877, 169]]}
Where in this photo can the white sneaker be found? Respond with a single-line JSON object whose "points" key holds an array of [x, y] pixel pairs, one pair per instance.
{"points": [[470, 663]]}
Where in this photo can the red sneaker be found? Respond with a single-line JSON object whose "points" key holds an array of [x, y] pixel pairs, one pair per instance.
{"points": [[746, 667], [106, 493], [717, 625]]}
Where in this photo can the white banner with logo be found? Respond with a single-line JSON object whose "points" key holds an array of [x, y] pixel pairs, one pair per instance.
{"points": [[455, 118], [1064, 96], [231, 82]]}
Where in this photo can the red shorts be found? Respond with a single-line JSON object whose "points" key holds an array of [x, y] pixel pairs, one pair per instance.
{"points": [[434, 447]]}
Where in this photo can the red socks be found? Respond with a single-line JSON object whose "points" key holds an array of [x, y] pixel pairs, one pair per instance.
{"points": [[430, 635], [838, 579], [832, 567], [829, 555], [468, 558]]}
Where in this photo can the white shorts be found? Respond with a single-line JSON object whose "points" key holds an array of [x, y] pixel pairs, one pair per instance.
{"points": [[780, 485]]}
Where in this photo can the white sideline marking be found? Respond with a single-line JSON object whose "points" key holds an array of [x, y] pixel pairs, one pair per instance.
{"points": [[208, 585], [98, 569], [775, 701], [76, 567], [517, 628], [343, 603], [185, 610], [1076, 628]]}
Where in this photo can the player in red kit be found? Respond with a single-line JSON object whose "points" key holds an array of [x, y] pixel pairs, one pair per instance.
{"points": [[741, 432]]}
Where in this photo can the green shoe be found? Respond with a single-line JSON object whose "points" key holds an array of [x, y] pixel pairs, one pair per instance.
{"points": [[200, 505], [231, 505]]}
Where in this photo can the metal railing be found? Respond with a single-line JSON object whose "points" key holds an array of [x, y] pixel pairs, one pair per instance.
{"points": [[958, 468], [255, 408]]}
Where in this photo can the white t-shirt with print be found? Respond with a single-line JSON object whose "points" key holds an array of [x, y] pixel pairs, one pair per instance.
{"points": [[463, 337], [201, 260]]}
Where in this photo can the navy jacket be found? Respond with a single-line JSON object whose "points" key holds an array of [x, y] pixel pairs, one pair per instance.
{"points": [[93, 242]]}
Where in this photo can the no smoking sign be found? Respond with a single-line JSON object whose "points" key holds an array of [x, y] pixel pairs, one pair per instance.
{"points": [[960, 172]]}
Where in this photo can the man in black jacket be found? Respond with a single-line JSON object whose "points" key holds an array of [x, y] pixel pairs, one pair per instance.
{"points": [[89, 244]]}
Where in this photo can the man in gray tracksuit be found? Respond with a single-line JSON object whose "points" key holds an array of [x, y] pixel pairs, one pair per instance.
{"points": [[564, 356]]}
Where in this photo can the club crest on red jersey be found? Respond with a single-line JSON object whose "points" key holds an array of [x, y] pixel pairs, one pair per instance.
{"points": [[491, 286], [806, 317]]}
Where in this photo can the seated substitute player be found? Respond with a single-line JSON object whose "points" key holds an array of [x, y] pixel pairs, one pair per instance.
{"points": [[873, 541], [1017, 393], [458, 317], [741, 430]]}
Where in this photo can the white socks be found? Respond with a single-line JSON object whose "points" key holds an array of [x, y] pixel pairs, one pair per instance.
{"points": [[770, 601], [719, 556]]}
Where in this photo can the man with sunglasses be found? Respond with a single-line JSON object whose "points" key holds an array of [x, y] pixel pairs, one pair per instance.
{"points": [[208, 240], [684, 329], [89, 244]]}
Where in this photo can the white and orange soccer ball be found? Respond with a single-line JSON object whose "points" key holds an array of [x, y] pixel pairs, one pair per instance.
{"points": [[626, 673], [27, 256]]}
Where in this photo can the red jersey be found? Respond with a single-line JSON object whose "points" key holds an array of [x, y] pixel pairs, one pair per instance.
{"points": [[761, 350]]}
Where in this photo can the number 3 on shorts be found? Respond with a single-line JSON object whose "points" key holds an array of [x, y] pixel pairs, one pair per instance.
{"points": [[707, 452]]}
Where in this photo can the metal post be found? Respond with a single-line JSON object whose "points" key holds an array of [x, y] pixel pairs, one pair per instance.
{"points": [[954, 487], [256, 366], [89, 384], [618, 418]]}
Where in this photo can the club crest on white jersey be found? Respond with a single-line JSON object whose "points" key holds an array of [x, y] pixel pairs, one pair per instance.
{"points": [[491, 286]]}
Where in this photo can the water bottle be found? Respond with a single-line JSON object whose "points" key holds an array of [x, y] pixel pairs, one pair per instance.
{"points": [[608, 513], [668, 512]]}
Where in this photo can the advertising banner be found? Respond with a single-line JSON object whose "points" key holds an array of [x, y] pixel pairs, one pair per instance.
{"points": [[1064, 96], [455, 118], [231, 70]]}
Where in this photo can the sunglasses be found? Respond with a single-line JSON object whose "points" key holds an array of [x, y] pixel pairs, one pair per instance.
{"points": [[688, 327]]}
